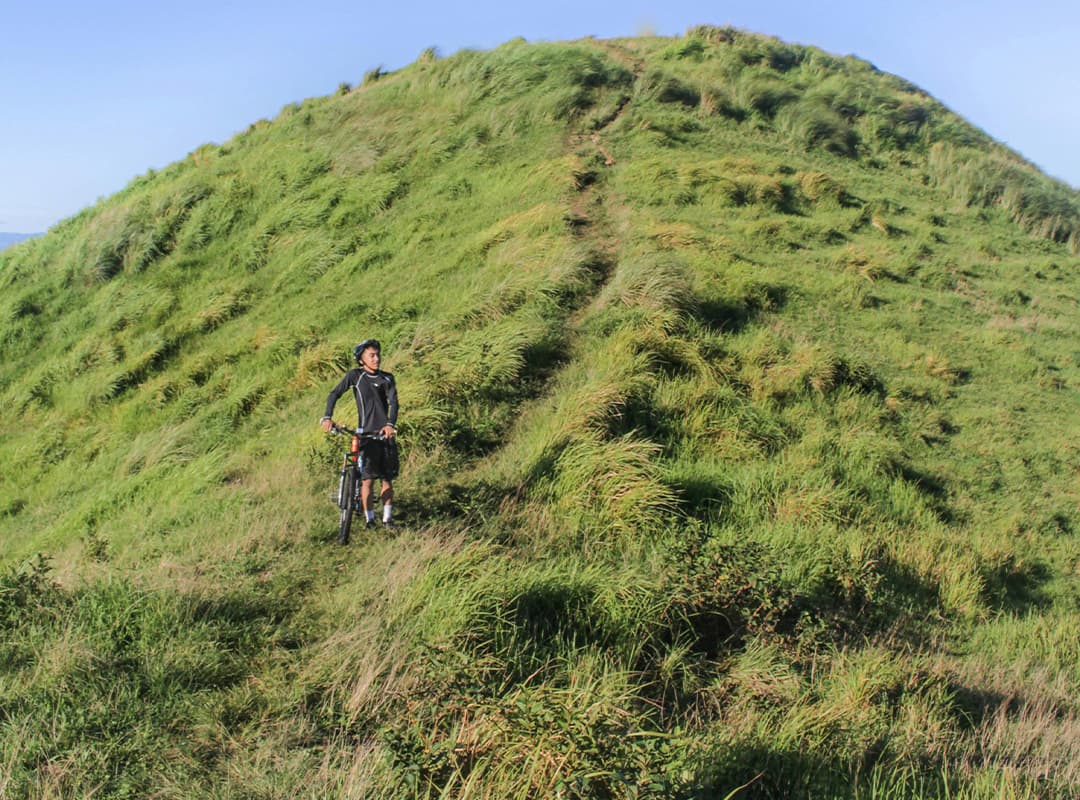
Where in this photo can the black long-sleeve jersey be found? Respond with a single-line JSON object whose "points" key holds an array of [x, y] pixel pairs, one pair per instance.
{"points": [[376, 398]]}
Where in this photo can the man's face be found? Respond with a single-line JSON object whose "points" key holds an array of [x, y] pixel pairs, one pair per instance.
{"points": [[370, 359]]}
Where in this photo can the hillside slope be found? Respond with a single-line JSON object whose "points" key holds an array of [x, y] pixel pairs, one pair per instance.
{"points": [[739, 388]]}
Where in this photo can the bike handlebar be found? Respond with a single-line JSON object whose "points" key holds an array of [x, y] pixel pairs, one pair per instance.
{"points": [[335, 428]]}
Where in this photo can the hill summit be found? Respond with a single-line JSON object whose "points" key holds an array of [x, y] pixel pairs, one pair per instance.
{"points": [[739, 438]]}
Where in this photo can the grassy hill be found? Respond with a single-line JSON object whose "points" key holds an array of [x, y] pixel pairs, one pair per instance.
{"points": [[739, 392]]}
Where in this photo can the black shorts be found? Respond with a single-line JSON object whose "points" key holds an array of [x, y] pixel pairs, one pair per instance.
{"points": [[380, 459]]}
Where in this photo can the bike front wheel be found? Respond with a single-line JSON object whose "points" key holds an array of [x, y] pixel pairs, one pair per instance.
{"points": [[346, 501]]}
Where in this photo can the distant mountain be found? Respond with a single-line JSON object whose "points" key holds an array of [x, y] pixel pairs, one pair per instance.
{"points": [[8, 239]]}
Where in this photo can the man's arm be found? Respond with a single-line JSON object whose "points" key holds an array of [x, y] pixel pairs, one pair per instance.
{"points": [[332, 398], [391, 408]]}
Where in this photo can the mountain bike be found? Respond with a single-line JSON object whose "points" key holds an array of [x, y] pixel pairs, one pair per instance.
{"points": [[347, 497]]}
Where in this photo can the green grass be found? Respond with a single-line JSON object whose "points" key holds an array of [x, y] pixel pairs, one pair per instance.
{"points": [[738, 384]]}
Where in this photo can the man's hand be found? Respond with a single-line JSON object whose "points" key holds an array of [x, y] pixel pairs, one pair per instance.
{"points": [[326, 425], [388, 431]]}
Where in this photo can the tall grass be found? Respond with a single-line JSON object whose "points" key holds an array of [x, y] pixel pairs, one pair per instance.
{"points": [[1045, 208]]}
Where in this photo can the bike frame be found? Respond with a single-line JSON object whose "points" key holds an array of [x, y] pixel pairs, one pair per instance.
{"points": [[348, 493]]}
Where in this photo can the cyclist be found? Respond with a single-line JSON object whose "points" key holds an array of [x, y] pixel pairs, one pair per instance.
{"points": [[376, 408]]}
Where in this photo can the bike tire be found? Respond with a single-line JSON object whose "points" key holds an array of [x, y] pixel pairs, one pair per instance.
{"points": [[346, 502]]}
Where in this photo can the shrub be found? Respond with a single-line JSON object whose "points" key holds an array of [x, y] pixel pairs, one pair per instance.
{"points": [[719, 100], [723, 594], [25, 590], [714, 35], [816, 125], [820, 187], [902, 123], [764, 94], [666, 88]]}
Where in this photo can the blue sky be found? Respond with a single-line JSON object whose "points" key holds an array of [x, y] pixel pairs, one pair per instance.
{"points": [[94, 93]]}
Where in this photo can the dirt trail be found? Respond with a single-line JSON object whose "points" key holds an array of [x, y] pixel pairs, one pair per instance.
{"points": [[597, 217]]}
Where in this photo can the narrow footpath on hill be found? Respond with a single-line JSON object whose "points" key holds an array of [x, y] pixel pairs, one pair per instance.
{"points": [[596, 217]]}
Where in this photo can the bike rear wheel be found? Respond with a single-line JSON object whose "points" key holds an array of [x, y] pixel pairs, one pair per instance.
{"points": [[346, 501]]}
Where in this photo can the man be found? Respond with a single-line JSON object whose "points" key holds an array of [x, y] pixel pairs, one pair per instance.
{"points": [[376, 408]]}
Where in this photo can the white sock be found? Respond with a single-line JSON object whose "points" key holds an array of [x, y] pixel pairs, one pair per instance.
{"points": [[386, 511], [370, 515]]}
